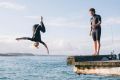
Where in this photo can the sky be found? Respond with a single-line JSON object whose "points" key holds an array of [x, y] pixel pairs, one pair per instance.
{"points": [[67, 26]]}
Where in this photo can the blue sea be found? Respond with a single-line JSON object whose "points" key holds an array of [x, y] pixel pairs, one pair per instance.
{"points": [[42, 68]]}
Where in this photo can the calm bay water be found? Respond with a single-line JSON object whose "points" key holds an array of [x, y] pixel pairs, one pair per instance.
{"points": [[42, 68]]}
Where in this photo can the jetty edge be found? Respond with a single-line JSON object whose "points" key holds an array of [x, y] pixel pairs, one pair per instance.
{"points": [[101, 64]]}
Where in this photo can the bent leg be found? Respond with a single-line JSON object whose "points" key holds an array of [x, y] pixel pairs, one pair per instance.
{"points": [[45, 46], [24, 38]]}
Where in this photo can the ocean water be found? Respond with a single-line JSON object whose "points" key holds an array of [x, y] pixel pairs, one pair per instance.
{"points": [[42, 68]]}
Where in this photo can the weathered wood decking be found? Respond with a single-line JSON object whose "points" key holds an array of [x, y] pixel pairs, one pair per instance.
{"points": [[72, 60], [94, 64], [98, 64]]}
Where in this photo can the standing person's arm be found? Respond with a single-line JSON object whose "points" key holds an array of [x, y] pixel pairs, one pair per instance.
{"points": [[90, 28], [99, 21], [42, 25], [90, 31]]}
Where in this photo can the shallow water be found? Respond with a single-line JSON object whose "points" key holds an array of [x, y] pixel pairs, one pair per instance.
{"points": [[42, 68]]}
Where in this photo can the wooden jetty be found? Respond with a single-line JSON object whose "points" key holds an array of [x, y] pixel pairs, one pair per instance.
{"points": [[102, 64]]}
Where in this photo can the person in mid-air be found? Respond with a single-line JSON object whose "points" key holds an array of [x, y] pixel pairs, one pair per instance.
{"points": [[36, 35], [95, 30]]}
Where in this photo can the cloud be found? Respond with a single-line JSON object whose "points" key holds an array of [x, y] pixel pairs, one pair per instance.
{"points": [[112, 21], [77, 21], [33, 17], [57, 45], [9, 44], [14, 6], [63, 22], [7, 39], [61, 45]]}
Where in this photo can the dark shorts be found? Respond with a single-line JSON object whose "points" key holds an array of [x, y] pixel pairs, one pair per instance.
{"points": [[96, 34], [36, 40]]}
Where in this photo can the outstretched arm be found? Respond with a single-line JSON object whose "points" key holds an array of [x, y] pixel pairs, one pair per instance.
{"points": [[90, 31], [24, 38], [90, 28], [99, 21], [45, 46]]}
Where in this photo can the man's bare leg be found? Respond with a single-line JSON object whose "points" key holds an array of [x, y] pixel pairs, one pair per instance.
{"points": [[98, 47], [95, 48]]}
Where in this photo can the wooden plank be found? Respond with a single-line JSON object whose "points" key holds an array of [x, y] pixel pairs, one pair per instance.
{"points": [[97, 64], [115, 71], [72, 59], [95, 58]]}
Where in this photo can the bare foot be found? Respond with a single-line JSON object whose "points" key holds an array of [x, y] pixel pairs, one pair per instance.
{"points": [[94, 55], [97, 53]]}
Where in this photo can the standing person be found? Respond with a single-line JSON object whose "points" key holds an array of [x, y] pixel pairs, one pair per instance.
{"points": [[36, 35], [95, 30]]}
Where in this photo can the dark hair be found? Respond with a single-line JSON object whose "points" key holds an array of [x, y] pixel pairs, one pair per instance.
{"points": [[92, 9]]}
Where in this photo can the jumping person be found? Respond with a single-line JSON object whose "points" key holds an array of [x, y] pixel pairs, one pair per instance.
{"points": [[36, 35], [95, 30]]}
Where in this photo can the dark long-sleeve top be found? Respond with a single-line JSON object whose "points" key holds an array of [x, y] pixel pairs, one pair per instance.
{"points": [[36, 31]]}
